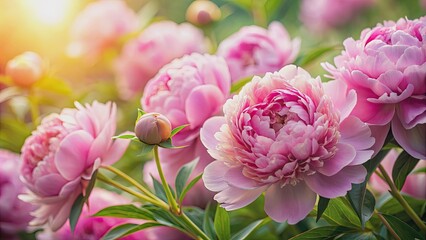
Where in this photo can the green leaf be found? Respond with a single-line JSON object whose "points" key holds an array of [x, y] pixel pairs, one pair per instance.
{"points": [[322, 205], [363, 202], [208, 226], [76, 209], [340, 213], [145, 148], [119, 231], [403, 230], [327, 232], [315, 54], [140, 114], [245, 232], [91, 185], [222, 224], [159, 189], [358, 236], [393, 207], [125, 211], [419, 170], [189, 186], [404, 164], [183, 175], [124, 136], [178, 129], [168, 144], [239, 84], [54, 85]]}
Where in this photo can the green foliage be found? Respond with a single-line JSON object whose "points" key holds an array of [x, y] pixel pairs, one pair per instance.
{"points": [[403, 166], [125, 211], [403, 230], [127, 229], [183, 175], [322, 205], [326, 232], [340, 213], [222, 224]]}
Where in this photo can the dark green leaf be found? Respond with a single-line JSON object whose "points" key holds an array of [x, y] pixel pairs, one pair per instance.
{"points": [[327, 232], [178, 129], [168, 144], [402, 167], [127, 229], [322, 205], [183, 175], [195, 214], [208, 226], [315, 54], [145, 148], [393, 207], [124, 136], [245, 232], [76, 209], [403, 230], [239, 84], [363, 202], [358, 236], [159, 189], [340, 213], [222, 224], [189, 186], [90, 185], [125, 211]]}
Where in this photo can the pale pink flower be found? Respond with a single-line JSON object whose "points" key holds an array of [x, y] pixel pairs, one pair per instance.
{"points": [[15, 214], [415, 184], [322, 15], [94, 228], [254, 50], [156, 46], [99, 27], [288, 135], [387, 68], [58, 159]]}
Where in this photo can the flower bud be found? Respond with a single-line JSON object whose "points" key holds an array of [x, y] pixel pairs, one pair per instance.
{"points": [[25, 69], [202, 12], [153, 128]]}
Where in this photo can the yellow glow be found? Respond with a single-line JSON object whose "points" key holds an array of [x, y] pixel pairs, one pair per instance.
{"points": [[51, 12]]}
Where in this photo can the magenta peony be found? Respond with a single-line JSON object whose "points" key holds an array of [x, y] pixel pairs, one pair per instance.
{"points": [[254, 50], [322, 15], [387, 68], [156, 46], [286, 135], [414, 184], [61, 155], [15, 214], [99, 27], [94, 228]]}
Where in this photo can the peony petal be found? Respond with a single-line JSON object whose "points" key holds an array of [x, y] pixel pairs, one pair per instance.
{"points": [[345, 154], [213, 176], [50, 185], [100, 144], [234, 198], [116, 151], [207, 134], [342, 99], [57, 220], [379, 133], [203, 102], [356, 133], [71, 158], [337, 185], [412, 111], [412, 140], [235, 178], [291, 203]]}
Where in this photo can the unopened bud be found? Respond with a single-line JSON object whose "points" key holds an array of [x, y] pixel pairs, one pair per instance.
{"points": [[202, 12], [153, 128], [25, 69]]}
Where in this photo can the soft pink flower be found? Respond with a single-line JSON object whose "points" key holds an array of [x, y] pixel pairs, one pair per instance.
{"points": [[25, 69], [15, 214], [415, 184], [94, 228], [99, 27], [387, 68], [254, 50], [189, 90], [322, 15], [156, 46], [61, 155], [290, 136], [172, 160]]}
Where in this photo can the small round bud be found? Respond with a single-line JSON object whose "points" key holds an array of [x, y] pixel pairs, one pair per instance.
{"points": [[153, 128], [202, 12], [25, 69]]}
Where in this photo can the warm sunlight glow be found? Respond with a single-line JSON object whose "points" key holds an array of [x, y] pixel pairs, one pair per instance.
{"points": [[51, 12]]}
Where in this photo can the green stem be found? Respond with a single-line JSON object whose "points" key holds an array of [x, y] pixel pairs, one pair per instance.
{"points": [[131, 181], [194, 227], [387, 225], [172, 202], [35, 113], [111, 182], [259, 13], [394, 191]]}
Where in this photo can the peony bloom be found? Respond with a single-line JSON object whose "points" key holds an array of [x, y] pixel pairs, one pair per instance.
{"points": [[15, 214], [286, 135], [58, 159], [254, 50], [322, 15], [414, 184], [156, 46], [25, 69], [189, 90], [99, 27], [387, 68], [89, 227]]}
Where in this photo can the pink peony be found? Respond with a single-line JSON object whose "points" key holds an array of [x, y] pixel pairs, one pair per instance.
{"points": [[61, 155], [99, 27], [156, 46], [15, 214], [189, 90], [322, 15], [387, 68], [94, 228], [414, 184], [286, 135], [254, 50]]}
